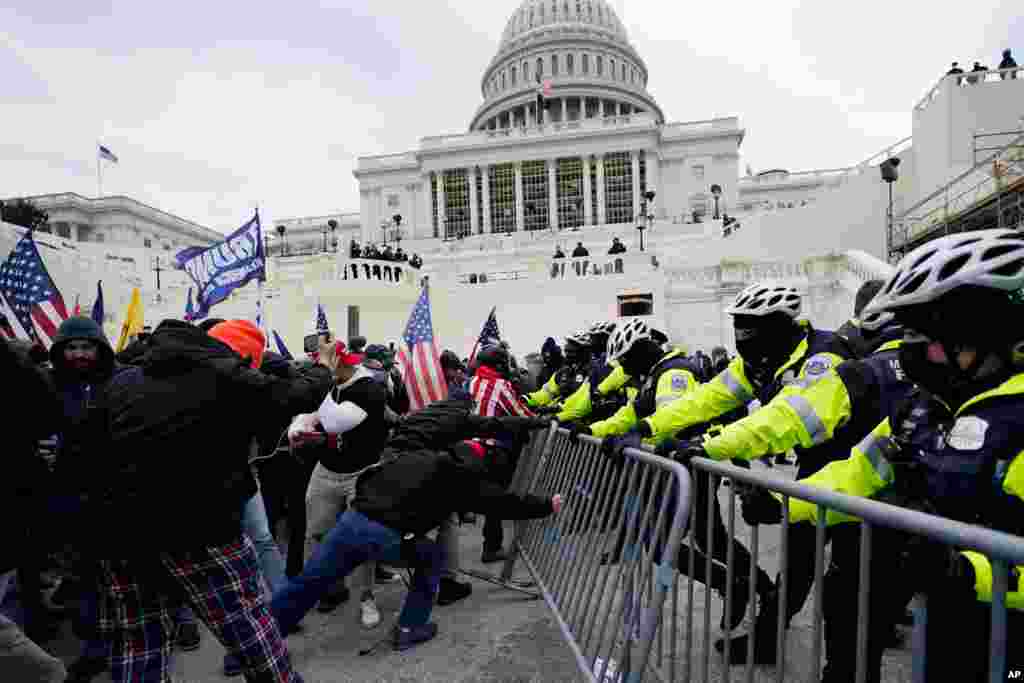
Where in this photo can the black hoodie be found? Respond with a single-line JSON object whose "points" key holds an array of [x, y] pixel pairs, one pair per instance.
{"points": [[421, 482], [181, 428]]}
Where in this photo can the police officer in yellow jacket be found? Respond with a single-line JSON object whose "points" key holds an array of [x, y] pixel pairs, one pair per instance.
{"points": [[568, 378], [955, 448], [589, 402], [775, 350]]}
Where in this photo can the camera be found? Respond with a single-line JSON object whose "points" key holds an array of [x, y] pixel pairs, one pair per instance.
{"points": [[311, 343]]}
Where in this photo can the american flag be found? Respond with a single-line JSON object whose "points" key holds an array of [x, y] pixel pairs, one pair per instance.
{"points": [[321, 319], [419, 358], [488, 336], [6, 330], [31, 294]]}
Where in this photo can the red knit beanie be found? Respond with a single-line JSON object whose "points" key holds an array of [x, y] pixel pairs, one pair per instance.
{"points": [[243, 337]]}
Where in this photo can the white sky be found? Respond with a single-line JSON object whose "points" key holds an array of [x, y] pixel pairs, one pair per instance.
{"points": [[215, 106]]}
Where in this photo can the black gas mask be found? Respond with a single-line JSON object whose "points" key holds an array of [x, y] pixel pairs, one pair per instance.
{"points": [[643, 356], [765, 342]]}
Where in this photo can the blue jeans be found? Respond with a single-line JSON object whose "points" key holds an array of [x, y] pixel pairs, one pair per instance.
{"points": [[354, 540]]}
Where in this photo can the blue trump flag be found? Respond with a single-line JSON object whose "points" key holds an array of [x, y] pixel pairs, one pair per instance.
{"points": [[97, 308], [219, 270]]}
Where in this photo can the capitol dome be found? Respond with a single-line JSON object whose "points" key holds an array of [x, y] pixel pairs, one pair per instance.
{"points": [[582, 48]]}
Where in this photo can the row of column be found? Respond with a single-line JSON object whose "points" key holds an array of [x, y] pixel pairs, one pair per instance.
{"points": [[622, 108], [552, 171]]}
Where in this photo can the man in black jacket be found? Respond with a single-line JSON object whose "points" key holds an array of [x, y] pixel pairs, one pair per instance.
{"points": [[30, 418], [424, 476], [182, 423]]}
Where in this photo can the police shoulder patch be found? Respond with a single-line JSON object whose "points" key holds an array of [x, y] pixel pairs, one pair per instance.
{"points": [[968, 433], [818, 365], [678, 382]]}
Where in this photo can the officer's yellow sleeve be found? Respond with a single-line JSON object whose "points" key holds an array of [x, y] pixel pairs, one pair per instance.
{"points": [[804, 414], [983, 581], [619, 423], [577, 405], [544, 396], [866, 472], [728, 391], [615, 380]]}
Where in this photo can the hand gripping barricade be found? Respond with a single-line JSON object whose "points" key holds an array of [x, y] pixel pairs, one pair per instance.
{"points": [[606, 563], [804, 655]]}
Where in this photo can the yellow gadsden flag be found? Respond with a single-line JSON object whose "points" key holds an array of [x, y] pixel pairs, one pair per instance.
{"points": [[132, 320]]}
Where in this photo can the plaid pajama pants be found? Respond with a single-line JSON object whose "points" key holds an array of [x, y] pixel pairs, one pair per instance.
{"points": [[223, 586]]}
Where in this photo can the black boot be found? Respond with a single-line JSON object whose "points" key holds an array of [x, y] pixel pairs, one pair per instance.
{"points": [[740, 601], [764, 636], [452, 591]]}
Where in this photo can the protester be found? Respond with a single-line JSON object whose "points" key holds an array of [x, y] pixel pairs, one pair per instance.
{"points": [[423, 477], [162, 433], [580, 251], [617, 247], [558, 252], [353, 417], [1008, 62]]}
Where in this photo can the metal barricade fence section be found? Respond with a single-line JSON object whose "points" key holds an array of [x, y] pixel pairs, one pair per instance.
{"points": [[635, 602], [606, 563]]}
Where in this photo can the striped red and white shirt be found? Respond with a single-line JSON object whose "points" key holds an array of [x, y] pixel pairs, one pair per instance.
{"points": [[494, 395]]}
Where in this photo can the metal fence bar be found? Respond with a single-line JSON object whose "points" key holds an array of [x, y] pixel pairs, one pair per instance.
{"points": [[689, 590], [920, 639], [754, 550], [709, 549], [780, 646], [730, 554], [819, 595], [863, 601], [997, 636]]}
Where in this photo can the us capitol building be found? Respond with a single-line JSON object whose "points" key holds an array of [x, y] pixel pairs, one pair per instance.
{"points": [[567, 146]]}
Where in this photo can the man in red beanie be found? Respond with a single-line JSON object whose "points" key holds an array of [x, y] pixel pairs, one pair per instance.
{"points": [[182, 423]]}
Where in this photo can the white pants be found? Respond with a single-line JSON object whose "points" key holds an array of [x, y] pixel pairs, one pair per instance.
{"points": [[328, 495]]}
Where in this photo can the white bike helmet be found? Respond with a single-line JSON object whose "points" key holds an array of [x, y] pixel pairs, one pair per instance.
{"points": [[766, 298], [625, 337], [990, 259], [579, 338], [605, 327], [875, 320]]}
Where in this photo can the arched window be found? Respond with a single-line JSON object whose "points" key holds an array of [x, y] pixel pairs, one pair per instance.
{"points": [[586, 64], [513, 77], [526, 72], [623, 73], [611, 68], [502, 80], [600, 59], [540, 69], [570, 64], [554, 65]]}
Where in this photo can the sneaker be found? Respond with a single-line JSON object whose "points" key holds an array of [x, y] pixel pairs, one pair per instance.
{"points": [[492, 556], [452, 591], [188, 638], [329, 603], [383, 575], [405, 637], [369, 615], [232, 666], [84, 669]]}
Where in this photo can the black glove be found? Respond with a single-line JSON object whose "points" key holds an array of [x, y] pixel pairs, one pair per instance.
{"points": [[682, 451], [614, 447], [575, 429], [760, 507]]}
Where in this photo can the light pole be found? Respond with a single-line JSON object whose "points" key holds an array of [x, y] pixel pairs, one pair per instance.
{"points": [[397, 234], [333, 225], [323, 229], [281, 230], [157, 269], [889, 175], [716, 192], [646, 216]]}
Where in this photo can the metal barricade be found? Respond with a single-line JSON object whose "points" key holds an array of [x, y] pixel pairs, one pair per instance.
{"points": [[873, 518], [606, 563]]}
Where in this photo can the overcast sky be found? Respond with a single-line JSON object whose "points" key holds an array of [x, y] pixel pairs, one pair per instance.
{"points": [[214, 106]]}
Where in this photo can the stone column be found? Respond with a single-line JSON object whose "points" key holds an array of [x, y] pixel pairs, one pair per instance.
{"points": [[552, 165], [441, 217], [424, 216], [565, 110], [473, 213], [588, 209], [519, 196], [634, 157], [602, 213], [583, 109], [485, 172]]}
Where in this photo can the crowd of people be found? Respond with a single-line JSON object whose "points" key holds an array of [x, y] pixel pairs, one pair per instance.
{"points": [[916, 401], [1008, 62], [371, 251], [581, 251]]}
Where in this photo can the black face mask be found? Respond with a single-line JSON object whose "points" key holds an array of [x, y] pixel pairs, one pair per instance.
{"points": [[641, 358], [946, 380], [764, 350]]}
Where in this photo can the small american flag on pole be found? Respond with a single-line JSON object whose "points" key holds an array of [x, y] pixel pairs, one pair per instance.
{"points": [[30, 292], [419, 358], [488, 336], [321, 319]]}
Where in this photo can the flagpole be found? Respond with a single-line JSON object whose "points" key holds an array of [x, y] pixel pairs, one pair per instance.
{"points": [[259, 282]]}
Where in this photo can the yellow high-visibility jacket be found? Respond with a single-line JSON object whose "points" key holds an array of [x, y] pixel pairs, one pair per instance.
{"points": [[579, 404]]}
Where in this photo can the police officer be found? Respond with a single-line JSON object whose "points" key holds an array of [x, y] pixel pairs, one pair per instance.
{"points": [[605, 390], [804, 416], [569, 377], [851, 330], [953, 448], [775, 350]]}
